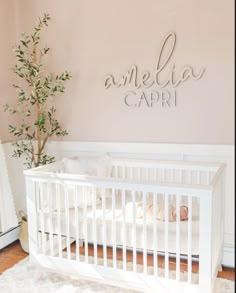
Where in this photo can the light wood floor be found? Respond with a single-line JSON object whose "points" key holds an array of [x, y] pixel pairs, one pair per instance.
{"points": [[13, 253]]}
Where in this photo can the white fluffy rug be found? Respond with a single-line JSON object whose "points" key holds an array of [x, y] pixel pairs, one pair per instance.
{"points": [[27, 277]]}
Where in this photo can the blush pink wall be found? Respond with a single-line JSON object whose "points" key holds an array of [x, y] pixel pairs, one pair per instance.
{"points": [[7, 35], [93, 38]]}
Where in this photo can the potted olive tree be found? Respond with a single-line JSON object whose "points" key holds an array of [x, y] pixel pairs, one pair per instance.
{"points": [[37, 116], [33, 106]]}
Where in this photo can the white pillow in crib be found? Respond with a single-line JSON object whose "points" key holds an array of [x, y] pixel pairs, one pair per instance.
{"points": [[93, 166], [76, 166]]}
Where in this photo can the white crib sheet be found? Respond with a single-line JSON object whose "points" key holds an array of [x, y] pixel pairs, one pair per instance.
{"points": [[118, 237]]}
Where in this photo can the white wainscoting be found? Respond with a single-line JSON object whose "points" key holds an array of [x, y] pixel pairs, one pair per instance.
{"points": [[207, 153], [9, 236]]}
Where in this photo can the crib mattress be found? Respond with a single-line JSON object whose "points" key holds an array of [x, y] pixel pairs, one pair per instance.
{"points": [[120, 229]]}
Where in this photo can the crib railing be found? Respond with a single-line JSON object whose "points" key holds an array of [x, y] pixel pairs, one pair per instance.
{"points": [[83, 222], [165, 171]]}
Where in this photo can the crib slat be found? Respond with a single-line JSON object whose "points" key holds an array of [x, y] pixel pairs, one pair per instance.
{"points": [[192, 177], [177, 237], [164, 174], [189, 176], [58, 204], [172, 175], [207, 177], [181, 177], [123, 172], [116, 172], [76, 200], [42, 217], [145, 232], [94, 227], [166, 236], [189, 239], [172, 181], [104, 227], [67, 215], [114, 228], [155, 235], [134, 233], [198, 177], [49, 200], [147, 174], [124, 229], [85, 224], [37, 198], [37, 194], [139, 177], [131, 173], [139, 173], [155, 174]]}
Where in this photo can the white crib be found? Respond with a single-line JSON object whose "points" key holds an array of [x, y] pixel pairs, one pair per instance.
{"points": [[104, 243]]}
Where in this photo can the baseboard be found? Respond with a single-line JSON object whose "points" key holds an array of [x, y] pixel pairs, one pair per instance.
{"points": [[9, 236], [228, 258], [229, 251]]}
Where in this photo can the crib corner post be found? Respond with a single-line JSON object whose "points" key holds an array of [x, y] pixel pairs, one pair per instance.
{"points": [[32, 216], [205, 242]]}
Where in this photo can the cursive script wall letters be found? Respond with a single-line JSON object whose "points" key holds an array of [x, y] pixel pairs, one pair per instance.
{"points": [[148, 79]]}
